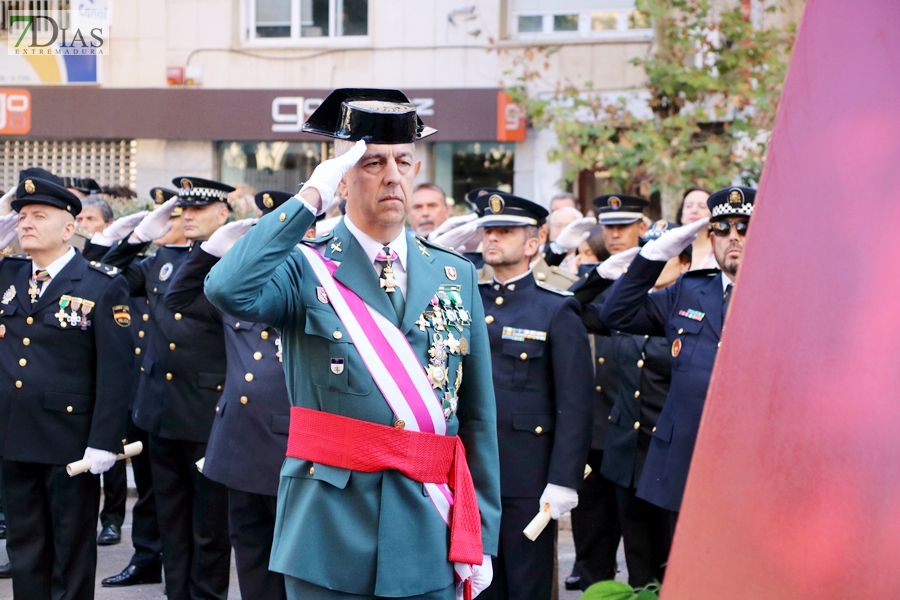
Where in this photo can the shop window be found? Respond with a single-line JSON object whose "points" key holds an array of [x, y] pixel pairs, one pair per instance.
{"points": [[301, 19], [577, 18], [461, 167], [269, 165]]}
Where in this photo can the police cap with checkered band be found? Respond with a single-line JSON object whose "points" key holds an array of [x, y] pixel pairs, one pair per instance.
{"points": [[731, 202]]}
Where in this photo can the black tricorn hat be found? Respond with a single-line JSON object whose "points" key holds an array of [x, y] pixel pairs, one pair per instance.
{"points": [[43, 191], [269, 200], [374, 115]]}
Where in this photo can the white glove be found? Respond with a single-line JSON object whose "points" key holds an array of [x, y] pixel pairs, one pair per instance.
{"points": [[156, 224], [118, 229], [326, 177], [462, 233], [671, 243], [482, 575], [6, 199], [575, 233], [8, 225], [561, 500], [101, 460], [226, 236], [613, 267]]}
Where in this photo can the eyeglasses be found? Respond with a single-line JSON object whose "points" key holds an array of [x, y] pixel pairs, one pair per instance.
{"points": [[723, 228]]}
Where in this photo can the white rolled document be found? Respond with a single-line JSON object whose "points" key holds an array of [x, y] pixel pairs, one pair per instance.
{"points": [[84, 465], [542, 519], [199, 464]]}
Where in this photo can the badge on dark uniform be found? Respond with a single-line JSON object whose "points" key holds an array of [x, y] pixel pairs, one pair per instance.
{"points": [[165, 272], [337, 365], [29, 186], [451, 273], [676, 348], [497, 203], [615, 203], [159, 196], [736, 197], [2, 331], [9, 294], [267, 201], [122, 315]]}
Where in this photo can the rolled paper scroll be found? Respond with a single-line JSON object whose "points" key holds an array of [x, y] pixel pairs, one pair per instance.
{"points": [[542, 519], [84, 465]]}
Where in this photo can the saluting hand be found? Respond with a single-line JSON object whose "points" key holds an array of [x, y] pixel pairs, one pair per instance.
{"points": [[575, 233], [8, 224], [458, 233], [327, 176], [226, 236], [613, 267], [671, 243], [118, 229], [156, 224]]}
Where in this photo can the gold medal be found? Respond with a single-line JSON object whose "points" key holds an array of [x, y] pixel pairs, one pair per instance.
{"points": [[387, 280]]}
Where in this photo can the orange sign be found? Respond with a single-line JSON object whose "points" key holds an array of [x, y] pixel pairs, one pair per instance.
{"points": [[510, 119], [15, 112]]}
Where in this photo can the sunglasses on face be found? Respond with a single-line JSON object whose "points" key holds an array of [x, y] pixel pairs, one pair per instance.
{"points": [[723, 228]]}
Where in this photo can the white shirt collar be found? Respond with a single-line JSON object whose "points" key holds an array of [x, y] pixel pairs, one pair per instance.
{"points": [[726, 281], [57, 265], [372, 247]]}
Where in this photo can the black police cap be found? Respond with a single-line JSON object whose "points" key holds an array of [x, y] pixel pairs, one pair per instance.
{"points": [[731, 202], [471, 197], [374, 115], [269, 200], [620, 209], [85, 185], [39, 173], [195, 191], [499, 209], [42, 191], [160, 195]]}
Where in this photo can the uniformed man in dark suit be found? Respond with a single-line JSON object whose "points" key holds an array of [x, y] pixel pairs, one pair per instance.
{"points": [[145, 565], [690, 314], [542, 381], [65, 392], [595, 523], [643, 372], [249, 435], [182, 376]]}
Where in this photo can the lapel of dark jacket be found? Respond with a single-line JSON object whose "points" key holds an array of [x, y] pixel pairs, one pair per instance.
{"points": [[357, 273], [710, 298], [22, 281], [63, 283], [422, 281]]}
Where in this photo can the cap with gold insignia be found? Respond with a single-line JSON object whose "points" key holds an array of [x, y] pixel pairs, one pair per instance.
{"points": [[499, 209], [269, 200], [194, 191], [374, 115], [41, 191], [471, 198], [85, 185], [39, 173], [159, 195], [731, 202], [620, 209]]}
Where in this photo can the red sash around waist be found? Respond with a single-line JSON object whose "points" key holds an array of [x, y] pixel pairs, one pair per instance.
{"points": [[357, 445]]}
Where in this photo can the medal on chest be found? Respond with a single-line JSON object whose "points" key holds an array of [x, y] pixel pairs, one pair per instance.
{"points": [[34, 290], [446, 317], [8, 295], [387, 280]]}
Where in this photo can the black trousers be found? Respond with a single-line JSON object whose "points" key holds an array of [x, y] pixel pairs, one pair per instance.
{"points": [[523, 570], [251, 526], [52, 531], [595, 526], [193, 522], [645, 533], [144, 524], [115, 490]]}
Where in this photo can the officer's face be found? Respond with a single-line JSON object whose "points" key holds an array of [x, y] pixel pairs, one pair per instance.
{"points": [[379, 188], [43, 228], [91, 219], [507, 246], [619, 238], [729, 250], [428, 211], [200, 222], [174, 236]]}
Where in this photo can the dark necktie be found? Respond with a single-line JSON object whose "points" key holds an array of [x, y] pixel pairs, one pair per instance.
{"points": [[726, 299], [388, 283]]}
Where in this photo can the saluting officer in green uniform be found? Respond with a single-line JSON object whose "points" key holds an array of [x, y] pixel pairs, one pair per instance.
{"points": [[351, 524]]}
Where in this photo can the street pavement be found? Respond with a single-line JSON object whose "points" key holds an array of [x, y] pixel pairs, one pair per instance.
{"points": [[112, 559]]}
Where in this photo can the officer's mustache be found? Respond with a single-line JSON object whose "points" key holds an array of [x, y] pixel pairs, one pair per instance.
{"points": [[734, 246]]}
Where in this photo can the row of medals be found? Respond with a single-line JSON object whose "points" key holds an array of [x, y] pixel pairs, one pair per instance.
{"points": [[444, 314]]}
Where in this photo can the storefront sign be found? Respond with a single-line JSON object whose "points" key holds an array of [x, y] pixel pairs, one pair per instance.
{"points": [[15, 112]]}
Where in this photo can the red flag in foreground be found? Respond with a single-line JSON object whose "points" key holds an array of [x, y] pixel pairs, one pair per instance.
{"points": [[794, 490]]}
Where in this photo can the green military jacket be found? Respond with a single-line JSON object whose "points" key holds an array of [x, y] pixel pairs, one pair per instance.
{"points": [[360, 533]]}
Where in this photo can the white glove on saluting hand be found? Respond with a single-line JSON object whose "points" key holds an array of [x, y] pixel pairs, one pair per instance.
{"points": [[326, 177], [613, 267], [8, 225], [156, 224], [561, 500], [458, 233], [117, 230], [671, 243], [226, 236], [575, 233], [101, 460], [482, 575]]}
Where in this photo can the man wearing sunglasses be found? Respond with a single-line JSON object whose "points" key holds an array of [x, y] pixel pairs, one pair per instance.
{"points": [[690, 314]]}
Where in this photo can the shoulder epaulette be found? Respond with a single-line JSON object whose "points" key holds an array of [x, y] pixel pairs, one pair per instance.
{"points": [[702, 273], [18, 256], [550, 288], [437, 246], [105, 269], [320, 239]]}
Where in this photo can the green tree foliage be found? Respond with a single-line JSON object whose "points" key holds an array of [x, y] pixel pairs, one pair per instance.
{"points": [[615, 590], [714, 82]]}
